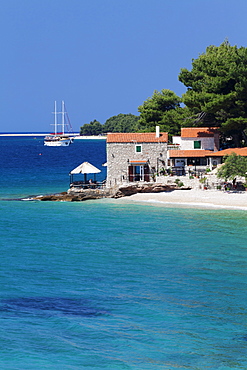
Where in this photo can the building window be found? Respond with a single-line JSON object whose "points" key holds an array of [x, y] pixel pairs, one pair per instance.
{"points": [[138, 148], [197, 144]]}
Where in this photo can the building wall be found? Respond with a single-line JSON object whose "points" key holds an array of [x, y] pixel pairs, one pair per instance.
{"points": [[119, 155], [207, 143]]}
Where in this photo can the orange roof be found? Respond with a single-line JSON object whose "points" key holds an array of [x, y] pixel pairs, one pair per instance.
{"points": [[198, 131], [229, 151], [190, 153], [144, 137]]}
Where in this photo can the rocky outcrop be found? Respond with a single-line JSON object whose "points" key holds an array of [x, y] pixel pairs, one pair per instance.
{"points": [[74, 196], [124, 191], [78, 195]]}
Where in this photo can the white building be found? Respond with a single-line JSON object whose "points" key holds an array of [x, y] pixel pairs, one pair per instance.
{"points": [[194, 149]]}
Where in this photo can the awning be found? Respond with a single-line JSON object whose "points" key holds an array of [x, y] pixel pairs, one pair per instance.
{"points": [[136, 163], [85, 167]]}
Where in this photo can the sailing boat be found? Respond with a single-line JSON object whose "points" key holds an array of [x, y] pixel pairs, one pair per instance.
{"points": [[59, 138]]}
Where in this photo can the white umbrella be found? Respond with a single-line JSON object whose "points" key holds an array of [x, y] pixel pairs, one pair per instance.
{"points": [[84, 168]]}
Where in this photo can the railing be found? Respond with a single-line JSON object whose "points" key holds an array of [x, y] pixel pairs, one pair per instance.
{"points": [[173, 147], [87, 185]]}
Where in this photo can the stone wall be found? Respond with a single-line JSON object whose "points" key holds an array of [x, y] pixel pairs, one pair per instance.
{"points": [[212, 181], [119, 155]]}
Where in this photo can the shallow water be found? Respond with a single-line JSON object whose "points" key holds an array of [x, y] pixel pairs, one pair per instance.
{"points": [[110, 285]]}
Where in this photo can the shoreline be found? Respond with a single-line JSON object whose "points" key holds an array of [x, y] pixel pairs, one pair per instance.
{"points": [[76, 137], [203, 199], [193, 198]]}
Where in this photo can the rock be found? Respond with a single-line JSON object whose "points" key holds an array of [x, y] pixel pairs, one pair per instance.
{"points": [[74, 195], [78, 195], [124, 191]]}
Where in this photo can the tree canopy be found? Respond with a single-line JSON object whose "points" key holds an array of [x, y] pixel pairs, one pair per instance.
{"points": [[92, 128], [234, 165], [122, 123], [217, 89], [162, 109]]}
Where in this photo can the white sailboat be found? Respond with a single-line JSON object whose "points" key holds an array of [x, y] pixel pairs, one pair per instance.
{"points": [[59, 138]]}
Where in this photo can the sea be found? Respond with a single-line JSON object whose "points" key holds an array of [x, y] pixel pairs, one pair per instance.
{"points": [[110, 284]]}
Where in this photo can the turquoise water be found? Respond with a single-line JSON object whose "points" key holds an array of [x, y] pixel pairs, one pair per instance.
{"points": [[110, 285]]}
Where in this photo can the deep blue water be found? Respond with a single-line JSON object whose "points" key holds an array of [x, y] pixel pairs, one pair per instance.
{"points": [[111, 285], [28, 167]]}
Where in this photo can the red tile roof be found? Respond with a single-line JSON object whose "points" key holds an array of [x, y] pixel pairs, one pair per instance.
{"points": [[206, 153], [144, 137], [229, 151], [198, 132], [195, 153]]}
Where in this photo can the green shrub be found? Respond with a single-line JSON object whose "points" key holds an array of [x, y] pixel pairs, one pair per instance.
{"points": [[203, 180]]}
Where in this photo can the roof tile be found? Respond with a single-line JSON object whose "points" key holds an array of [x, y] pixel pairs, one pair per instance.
{"points": [[190, 153], [143, 137], [229, 151], [198, 132]]}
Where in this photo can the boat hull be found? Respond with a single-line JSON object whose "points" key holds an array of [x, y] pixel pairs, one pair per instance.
{"points": [[57, 141]]}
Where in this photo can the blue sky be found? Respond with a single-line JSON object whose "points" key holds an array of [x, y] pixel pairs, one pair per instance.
{"points": [[102, 57]]}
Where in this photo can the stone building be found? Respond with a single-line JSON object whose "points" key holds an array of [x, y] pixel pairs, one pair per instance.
{"points": [[134, 157]]}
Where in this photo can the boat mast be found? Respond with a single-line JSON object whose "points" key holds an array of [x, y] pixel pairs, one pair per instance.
{"points": [[55, 120], [63, 113]]}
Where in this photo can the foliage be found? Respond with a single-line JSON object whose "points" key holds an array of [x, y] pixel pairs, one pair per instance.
{"points": [[119, 123], [162, 109], [203, 180], [122, 123], [92, 128], [234, 165], [217, 89], [179, 183]]}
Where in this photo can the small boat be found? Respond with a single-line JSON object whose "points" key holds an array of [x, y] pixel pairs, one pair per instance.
{"points": [[59, 138]]}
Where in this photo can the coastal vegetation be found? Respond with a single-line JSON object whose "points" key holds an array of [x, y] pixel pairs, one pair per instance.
{"points": [[217, 90], [216, 96], [120, 123], [92, 128], [234, 166]]}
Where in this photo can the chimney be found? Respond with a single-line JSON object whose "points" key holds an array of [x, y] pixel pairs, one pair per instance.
{"points": [[157, 131]]}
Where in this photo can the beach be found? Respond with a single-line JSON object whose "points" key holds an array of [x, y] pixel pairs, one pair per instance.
{"points": [[195, 198]]}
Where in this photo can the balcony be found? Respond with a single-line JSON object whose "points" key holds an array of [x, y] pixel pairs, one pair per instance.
{"points": [[173, 147]]}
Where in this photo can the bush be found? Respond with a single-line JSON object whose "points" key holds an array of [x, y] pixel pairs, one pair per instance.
{"points": [[203, 180]]}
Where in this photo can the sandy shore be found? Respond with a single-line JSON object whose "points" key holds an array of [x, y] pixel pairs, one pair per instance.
{"points": [[195, 198]]}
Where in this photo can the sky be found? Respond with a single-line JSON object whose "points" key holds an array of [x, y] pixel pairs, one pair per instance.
{"points": [[102, 57]]}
